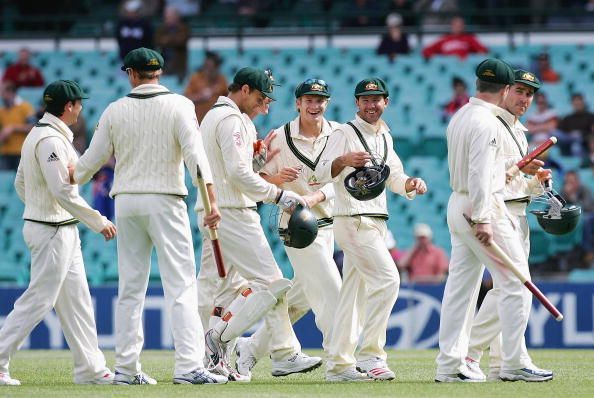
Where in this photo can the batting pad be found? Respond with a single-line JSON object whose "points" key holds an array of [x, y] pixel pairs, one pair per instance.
{"points": [[243, 313]]}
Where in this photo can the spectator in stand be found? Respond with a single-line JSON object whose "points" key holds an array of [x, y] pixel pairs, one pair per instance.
{"points": [[394, 41], [22, 73], [579, 123], [393, 248], [102, 183], [458, 42], [146, 8], [363, 14], [459, 98], [425, 262], [405, 9], [436, 13], [545, 119], [133, 31], [171, 39], [544, 70], [577, 194], [16, 115], [206, 85], [588, 159]]}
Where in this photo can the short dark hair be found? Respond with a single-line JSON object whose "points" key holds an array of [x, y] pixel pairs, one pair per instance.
{"points": [[488, 87], [458, 80], [235, 87], [577, 95], [214, 56], [149, 74]]}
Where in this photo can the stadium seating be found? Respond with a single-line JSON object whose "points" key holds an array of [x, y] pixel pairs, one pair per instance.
{"points": [[418, 88]]}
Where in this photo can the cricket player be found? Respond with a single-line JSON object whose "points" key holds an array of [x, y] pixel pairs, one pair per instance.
{"points": [[477, 177], [316, 283], [486, 328], [53, 207], [370, 280], [151, 132]]}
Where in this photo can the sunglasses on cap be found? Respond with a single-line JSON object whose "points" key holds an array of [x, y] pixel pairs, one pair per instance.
{"points": [[316, 81]]}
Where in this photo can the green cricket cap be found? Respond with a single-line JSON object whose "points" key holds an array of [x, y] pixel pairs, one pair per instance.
{"points": [[312, 87], [527, 78], [257, 79], [143, 59], [371, 86], [494, 70], [58, 93]]}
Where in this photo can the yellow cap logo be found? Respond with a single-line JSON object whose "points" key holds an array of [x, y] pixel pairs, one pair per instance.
{"points": [[528, 76], [316, 87], [370, 86], [47, 98], [488, 72], [153, 62]]}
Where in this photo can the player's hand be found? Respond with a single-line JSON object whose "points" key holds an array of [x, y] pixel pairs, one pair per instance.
{"points": [[109, 232], [484, 233], [71, 169], [213, 219], [544, 175], [355, 159], [288, 200], [288, 174], [314, 198], [415, 184], [533, 167], [266, 142]]}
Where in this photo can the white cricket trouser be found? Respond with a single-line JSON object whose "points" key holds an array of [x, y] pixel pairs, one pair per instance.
{"points": [[316, 286], [486, 328], [58, 281], [144, 221], [461, 290], [370, 285], [249, 263]]}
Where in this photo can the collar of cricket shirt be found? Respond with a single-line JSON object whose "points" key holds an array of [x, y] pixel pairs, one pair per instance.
{"points": [[295, 133], [380, 128], [226, 100], [511, 121], [148, 89], [58, 124], [496, 110]]}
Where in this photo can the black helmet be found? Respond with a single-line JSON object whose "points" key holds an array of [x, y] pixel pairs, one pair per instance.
{"points": [[366, 183], [559, 224], [302, 229]]}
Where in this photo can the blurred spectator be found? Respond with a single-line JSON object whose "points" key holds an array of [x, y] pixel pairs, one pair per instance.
{"points": [[543, 69], [576, 194], [394, 41], [425, 262], [171, 39], [206, 85], [405, 9], [579, 123], [393, 248], [133, 30], [256, 10], [588, 158], [15, 117], [544, 119], [146, 8], [457, 42], [22, 73], [436, 13], [363, 13], [102, 183], [459, 98]]}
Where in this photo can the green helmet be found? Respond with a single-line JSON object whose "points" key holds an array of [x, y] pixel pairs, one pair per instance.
{"points": [[559, 225], [366, 183], [302, 229]]}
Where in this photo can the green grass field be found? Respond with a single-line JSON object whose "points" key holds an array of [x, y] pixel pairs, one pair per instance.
{"points": [[49, 374]]}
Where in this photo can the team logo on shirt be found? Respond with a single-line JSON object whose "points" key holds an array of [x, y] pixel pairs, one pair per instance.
{"points": [[313, 181], [53, 157], [237, 139], [493, 142]]}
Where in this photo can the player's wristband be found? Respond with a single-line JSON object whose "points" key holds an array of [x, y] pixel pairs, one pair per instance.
{"points": [[278, 197]]}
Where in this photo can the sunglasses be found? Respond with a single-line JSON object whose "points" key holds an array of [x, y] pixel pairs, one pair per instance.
{"points": [[316, 81]]}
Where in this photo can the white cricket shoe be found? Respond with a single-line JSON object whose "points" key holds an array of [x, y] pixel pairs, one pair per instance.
{"points": [[526, 374], [140, 378], [245, 361], [376, 368], [298, 363], [464, 376], [106, 378], [474, 367], [349, 375], [494, 374], [6, 380], [199, 376]]}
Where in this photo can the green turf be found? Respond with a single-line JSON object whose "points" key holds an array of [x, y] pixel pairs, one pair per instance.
{"points": [[49, 374]]}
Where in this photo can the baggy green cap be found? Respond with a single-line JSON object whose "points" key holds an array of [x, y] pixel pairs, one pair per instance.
{"points": [[143, 59], [312, 87], [371, 86], [256, 78], [58, 93], [527, 78], [494, 70]]}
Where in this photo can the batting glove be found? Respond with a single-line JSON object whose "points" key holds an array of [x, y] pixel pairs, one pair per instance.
{"points": [[287, 200]]}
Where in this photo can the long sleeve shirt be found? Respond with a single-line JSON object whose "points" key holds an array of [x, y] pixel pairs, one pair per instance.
{"points": [[344, 140], [43, 183], [229, 143], [302, 153], [151, 132], [475, 157]]}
